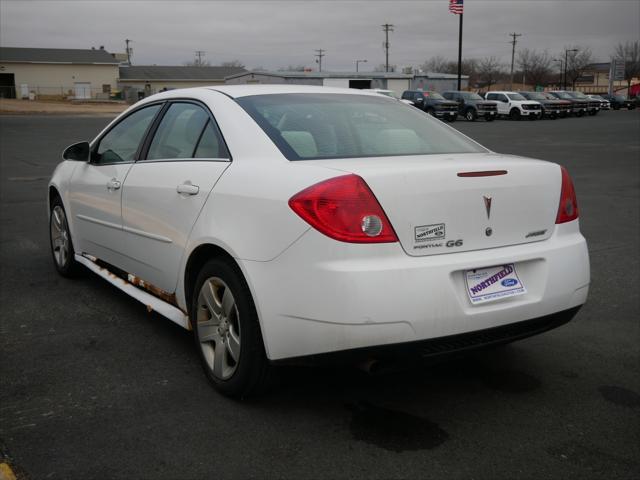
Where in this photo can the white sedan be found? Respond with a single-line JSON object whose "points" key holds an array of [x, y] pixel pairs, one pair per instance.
{"points": [[283, 223]]}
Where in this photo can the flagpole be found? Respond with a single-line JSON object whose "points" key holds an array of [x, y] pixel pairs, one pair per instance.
{"points": [[460, 55]]}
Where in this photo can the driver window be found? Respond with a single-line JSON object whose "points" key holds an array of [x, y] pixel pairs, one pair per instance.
{"points": [[121, 143]]}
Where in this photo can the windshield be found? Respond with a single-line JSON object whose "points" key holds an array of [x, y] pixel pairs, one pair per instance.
{"points": [[536, 96], [579, 95], [548, 96], [470, 96], [564, 95], [435, 95], [321, 125], [515, 96]]}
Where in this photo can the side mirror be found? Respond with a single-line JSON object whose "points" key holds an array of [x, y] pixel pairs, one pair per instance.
{"points": [[419, 99], [78, 151]]}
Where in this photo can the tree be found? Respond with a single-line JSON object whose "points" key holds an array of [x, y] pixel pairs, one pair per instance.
{"points": [[439, 64], [577, 61], [489, 71], [292, 68], [233, 63], [630, 52], [383, 68], [537, 66]]}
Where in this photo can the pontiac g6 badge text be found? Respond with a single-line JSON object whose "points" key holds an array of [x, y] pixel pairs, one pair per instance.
{"points": [[487, 205]]}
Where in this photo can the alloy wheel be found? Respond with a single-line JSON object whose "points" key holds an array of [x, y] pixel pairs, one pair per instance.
{"points": [[59, 236], [218, 328]]}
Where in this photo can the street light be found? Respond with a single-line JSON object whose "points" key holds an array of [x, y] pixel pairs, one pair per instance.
{"points": [[566, 52], [561, 63], [359, 62]]}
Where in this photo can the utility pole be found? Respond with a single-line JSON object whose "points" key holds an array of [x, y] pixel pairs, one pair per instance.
{"points": [[320, 54], [387, 27], [559, 60], [513, 52], [199, 55], [129, 51], [358, 62]]}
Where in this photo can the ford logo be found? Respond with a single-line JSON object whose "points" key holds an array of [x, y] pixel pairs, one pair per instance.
{"points": [[509, 282]]}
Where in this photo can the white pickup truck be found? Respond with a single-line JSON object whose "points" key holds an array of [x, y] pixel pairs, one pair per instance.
{"points": [[515, 106]]}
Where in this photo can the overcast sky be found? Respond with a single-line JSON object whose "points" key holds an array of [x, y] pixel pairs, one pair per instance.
{"points": [[277, 34]]}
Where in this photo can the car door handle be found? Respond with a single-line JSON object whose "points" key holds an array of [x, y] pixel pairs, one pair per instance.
{"points": [[113, 184], [187, 189]]}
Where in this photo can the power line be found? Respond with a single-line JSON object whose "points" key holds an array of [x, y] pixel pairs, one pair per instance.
{"points": [[387, 27], [320, 54], [513, 52]]}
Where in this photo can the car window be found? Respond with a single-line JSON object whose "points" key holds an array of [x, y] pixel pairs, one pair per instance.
{"points": [[121, 143], [211, 144], [316, 126], [502, 97], [179, 131]]}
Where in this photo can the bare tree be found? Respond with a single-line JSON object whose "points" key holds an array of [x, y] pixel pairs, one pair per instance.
{"points": [[233, 63], [537, 66], [630, 52], [383, 68], [292, 68], [439, 64], [577, 60], [489, 71]]}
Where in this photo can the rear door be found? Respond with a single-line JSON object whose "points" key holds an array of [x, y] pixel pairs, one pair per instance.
{"points": [[96, 188], [165, 192]]}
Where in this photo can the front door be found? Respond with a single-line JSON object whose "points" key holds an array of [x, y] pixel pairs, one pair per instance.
{"points": [[165, 192], [95, 190]]}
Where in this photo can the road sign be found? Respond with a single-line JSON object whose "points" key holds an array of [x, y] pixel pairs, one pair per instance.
{"points": [[618, 69]]}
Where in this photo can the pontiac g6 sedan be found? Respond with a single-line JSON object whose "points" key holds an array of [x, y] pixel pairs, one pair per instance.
{"points": [[288, 223]]}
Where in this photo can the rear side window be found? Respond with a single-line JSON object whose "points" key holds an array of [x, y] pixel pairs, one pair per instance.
{"points": [[316, 126], [121, 143], [211, 144], [179, 131]]}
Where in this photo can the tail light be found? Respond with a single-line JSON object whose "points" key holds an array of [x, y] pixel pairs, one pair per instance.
{"points": [[568, 208], [345, 209]]}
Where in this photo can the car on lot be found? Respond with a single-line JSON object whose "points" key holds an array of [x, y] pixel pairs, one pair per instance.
{"points": [[288, 223], [551, 106], [620, 101], [433, 103], [604, 103], [387, 93], [579, 106], [515, 106], [472, 106], [593, 106]]}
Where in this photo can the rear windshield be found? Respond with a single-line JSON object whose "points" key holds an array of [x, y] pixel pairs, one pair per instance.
{"points": [[315, 126]]}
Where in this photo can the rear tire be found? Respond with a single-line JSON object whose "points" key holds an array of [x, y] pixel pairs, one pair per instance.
{"points": [[227, 332], [60, 241]]}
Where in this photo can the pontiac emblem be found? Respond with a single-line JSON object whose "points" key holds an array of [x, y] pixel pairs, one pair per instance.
{"points": [[487, 205]]}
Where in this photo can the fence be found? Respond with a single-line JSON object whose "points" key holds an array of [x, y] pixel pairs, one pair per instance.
{"points": [[75, 92]]}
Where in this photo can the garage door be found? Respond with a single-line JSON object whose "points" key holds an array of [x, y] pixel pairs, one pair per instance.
{"points": [[82, 90]]}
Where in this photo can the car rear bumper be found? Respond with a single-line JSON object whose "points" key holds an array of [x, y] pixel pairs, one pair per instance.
{"points": [[324, 296]]}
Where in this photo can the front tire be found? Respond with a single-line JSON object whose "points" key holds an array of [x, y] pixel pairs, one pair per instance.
{"points": [[471, 115], [60, 241], [514, 114], [226, 330]]}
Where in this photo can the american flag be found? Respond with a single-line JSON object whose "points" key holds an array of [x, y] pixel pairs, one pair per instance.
{"points": [[456, 6]]}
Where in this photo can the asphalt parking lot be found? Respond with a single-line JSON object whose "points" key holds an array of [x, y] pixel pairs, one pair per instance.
{"points": [[93, 386]]}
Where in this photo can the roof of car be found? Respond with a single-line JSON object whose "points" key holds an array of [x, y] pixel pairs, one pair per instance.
{"points": [[237, 91]]}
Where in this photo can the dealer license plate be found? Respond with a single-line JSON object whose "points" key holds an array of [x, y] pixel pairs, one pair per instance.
{"points": [[493, 283]]}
